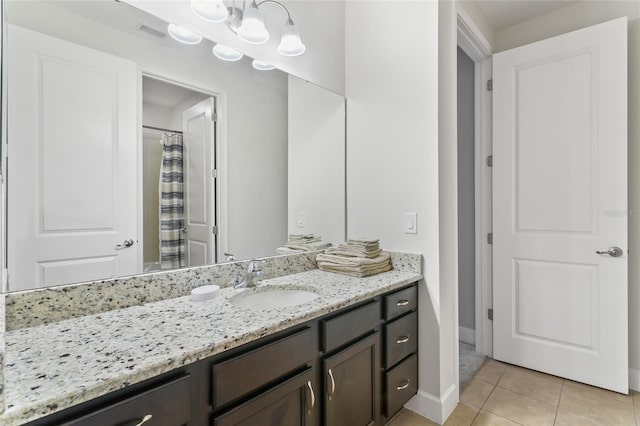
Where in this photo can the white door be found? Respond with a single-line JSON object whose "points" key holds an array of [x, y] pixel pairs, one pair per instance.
{"points": [[199, 188], [71, 162], [560, 197]]}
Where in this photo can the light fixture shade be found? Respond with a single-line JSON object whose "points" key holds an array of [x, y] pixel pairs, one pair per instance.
{"points": [[262, 66], [183, 35], [226, 53], [252, 29], [290, 41], [210, 10]]}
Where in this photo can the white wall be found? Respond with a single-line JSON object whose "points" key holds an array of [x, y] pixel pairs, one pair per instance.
{"points": [[573, 17], [254, 116], [321, 24], [466, 198], [393, 166], [316, 161]]}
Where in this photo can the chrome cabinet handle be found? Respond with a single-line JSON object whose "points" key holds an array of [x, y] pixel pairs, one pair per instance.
{"points": [[126, 243], [402, 303], [403, 339], [404, 385], [613, 252], [144, 420], [313, 397], [333, 385]]}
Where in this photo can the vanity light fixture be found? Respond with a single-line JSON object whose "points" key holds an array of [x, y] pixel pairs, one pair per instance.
{"points": [[252, 29], [262, 66], [248, 24], [226, 53], [290, 42], [183, 35], [210, 10]]}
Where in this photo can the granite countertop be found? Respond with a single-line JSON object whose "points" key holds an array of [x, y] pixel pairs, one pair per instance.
{"points": [[55, 366]]}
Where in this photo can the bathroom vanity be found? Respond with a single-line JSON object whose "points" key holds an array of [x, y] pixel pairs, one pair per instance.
{"points": [[347, 357]]}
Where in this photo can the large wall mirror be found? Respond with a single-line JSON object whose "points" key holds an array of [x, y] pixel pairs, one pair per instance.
{"points": [[130, 152]]}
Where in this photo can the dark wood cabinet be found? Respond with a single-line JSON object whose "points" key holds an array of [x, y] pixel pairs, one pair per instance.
{"points": [[290, 403], [168, 404], [401, 384], [400, 350], [352, 388], [245, 373], [354, 367]]}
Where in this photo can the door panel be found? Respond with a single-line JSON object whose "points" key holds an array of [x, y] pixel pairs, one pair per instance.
{"points": [[560, 195], [72, 193], [553, 104], [199, 197]]}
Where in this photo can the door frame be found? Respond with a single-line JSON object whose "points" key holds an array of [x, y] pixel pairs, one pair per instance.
{"points": [[478, 48], [219, 153]]}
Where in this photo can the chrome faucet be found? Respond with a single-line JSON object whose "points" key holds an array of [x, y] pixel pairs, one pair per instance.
{"points": [[250, 278]]}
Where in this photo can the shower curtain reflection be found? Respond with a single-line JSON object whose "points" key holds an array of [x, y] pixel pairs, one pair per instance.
{"points": [[171, 203]]}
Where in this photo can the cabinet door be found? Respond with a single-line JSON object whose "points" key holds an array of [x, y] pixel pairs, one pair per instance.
{"points": [[352, 385], [292, 403], [169, 404]]}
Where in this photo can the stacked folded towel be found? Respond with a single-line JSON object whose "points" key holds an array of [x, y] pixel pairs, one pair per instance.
{"points": [[356, 257], [298, 243]]}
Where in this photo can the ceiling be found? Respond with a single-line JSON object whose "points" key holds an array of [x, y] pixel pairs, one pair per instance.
{"points": [[501, 14]]}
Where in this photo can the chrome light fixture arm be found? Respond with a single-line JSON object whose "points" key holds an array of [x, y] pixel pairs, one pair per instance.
{"points": [[279, 4]]}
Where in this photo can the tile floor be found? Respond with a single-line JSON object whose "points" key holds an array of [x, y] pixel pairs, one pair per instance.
{"points": [[502, 394]]}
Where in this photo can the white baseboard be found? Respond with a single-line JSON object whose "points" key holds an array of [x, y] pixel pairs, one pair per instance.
{"points": [[434, 408], [634, 379], [467, 335]]}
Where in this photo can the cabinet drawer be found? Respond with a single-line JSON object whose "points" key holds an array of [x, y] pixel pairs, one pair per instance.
{"points": [[291, 403], [401, 338], [401, 384], [168, 404], [400, 302], [344, 328], [245, 373]]}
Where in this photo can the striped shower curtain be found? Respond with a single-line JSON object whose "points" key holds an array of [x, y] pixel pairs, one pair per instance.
{"points": [[171, 203]]}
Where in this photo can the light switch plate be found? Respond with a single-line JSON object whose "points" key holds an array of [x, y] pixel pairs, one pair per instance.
{"points": [[411, 223], [302, 219]]}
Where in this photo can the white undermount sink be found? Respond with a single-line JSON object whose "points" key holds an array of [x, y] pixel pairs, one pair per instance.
{"points": [[273, 297]]}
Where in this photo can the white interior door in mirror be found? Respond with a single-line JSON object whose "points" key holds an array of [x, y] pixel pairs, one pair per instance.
{"points": [[560, 196], [72, 168], [199, 194]]}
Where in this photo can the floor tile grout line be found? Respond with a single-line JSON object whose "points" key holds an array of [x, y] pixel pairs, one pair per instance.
{"points": [[529, 396], [476, 416], [493, 388], [555, 419]]}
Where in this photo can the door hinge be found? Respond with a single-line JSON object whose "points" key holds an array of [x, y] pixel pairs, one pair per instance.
{"points": [[490, 85], [214, 173], [490, 314], [214, 230], [490, 238], [214, 117], [489, 160]]}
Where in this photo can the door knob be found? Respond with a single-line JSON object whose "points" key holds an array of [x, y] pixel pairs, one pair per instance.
{"points": [[613, 252], [127, 243]]}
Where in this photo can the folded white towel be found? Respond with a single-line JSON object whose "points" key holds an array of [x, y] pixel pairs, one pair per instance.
{"points": [[363, 240], [352, 261], [355, 272], [353, 253], [286, 250]]}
